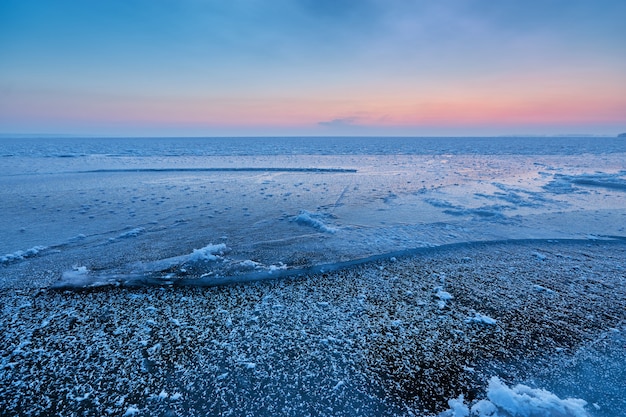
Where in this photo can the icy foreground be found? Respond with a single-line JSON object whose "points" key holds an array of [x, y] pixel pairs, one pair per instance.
{"points": [[373, 339], [396, 276]]}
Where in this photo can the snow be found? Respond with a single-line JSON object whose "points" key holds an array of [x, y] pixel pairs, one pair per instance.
{"points": [[443, 297], [138, 211], [313, 220], [481, 318], [457, 408], [81, 270], [518, 401], [207, 253], [21, 254], [132, 233], [131, 411], [540, 288], [249, 264], [274, 268]]}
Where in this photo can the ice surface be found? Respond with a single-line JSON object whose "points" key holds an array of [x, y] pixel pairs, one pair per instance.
{"points": [[84, 213], [128, 207]]}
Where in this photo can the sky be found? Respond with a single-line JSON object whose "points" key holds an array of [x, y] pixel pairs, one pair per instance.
{"points": [[312, 67]]}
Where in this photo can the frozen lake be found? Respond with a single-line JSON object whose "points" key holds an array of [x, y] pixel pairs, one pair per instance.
{"points": [[512, 305], [83, 212]]}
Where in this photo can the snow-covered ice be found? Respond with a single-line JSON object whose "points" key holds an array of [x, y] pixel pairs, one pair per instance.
{"points": [[94, 215], [302, 202], [210, 252]]}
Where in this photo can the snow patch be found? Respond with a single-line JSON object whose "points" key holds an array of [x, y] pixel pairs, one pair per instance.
{"points": [[273, 268], [131, 411], [208, 253], [132, 233], [307, 218], [443, 296], [21, 254], [540, 288], [457, 408], [519, 401], [249, 264], [481, 318]]}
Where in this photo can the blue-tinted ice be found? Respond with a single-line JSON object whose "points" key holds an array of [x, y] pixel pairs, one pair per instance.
{"points": [[79, 213], [133, 211]]}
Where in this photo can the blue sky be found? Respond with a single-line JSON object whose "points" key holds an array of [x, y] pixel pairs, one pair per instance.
{"points": [[306, 67]]}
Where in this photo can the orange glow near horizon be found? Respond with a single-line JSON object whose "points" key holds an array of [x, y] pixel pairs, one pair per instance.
{"points": [[430, 107]]}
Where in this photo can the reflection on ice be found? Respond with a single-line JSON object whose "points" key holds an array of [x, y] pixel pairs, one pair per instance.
{"points": [[168, 213], [298, 210]]}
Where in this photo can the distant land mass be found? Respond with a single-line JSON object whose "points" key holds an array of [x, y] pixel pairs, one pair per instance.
{"points": [[622, 135]]}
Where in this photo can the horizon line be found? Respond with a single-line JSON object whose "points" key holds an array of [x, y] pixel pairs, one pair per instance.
{"points": [[122, 136]]}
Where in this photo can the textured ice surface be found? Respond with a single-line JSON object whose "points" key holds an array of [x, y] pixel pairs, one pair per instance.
{"points": [[80, 213], [370, 340], [120, 206]]}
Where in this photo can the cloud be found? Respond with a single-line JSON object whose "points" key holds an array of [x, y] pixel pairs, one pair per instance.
{"points": [[340, 122]]}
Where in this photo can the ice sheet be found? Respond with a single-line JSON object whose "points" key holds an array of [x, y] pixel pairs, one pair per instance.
{"points": [[119, 207]]}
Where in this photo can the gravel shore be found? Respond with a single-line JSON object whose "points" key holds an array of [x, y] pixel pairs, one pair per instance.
{"points": [[393, 337]]}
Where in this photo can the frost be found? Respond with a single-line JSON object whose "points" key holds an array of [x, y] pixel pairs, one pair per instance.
{"points": [[281, 266], [21, 254], [481, 318], [132, 233], [208, 253], [249, 264], [307, 218], [457, 408], [131, 411]]}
